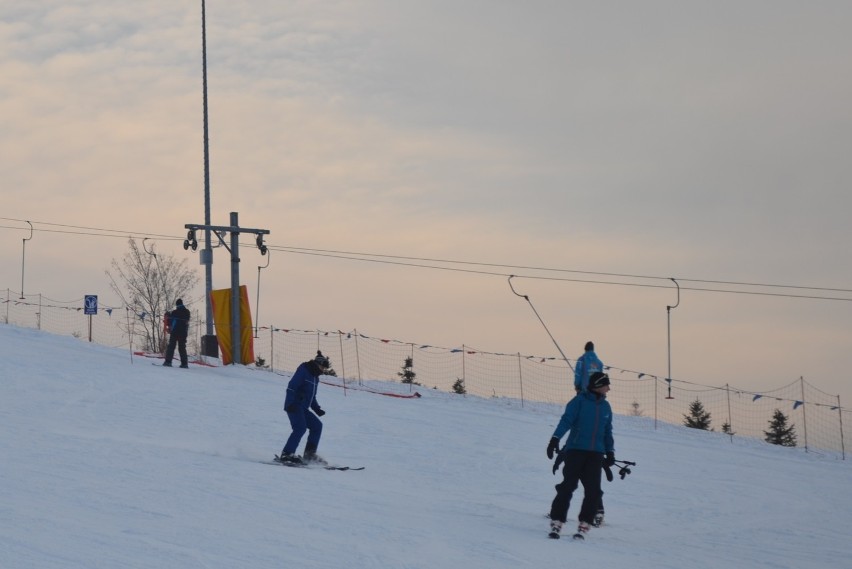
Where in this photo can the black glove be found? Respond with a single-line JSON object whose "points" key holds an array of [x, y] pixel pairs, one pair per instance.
{"points": [[552, 446], [608, 473], [320, 412], [609, 459], [291, 408]]}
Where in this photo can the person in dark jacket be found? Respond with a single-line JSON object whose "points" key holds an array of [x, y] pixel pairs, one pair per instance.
{"points": [[301, 400], [178, 331], [589, 446]]}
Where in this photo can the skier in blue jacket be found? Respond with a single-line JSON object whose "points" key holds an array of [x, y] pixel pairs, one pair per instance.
{"points": [[588, 421], [587, 364], [301, 399]]}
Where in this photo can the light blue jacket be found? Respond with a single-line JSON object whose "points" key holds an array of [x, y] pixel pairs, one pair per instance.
{"points": [[588, 417], [587, 364]]}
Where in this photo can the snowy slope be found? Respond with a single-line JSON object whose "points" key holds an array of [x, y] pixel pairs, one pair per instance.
{"points": [[113, 463]]}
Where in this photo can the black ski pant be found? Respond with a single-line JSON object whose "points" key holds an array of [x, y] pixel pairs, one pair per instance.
{"points": [[579, 466], [181, 346]]}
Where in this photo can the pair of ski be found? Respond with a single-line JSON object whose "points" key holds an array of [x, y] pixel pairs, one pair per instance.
{"points": [[556, 527], [277, 460], [555, 535]]}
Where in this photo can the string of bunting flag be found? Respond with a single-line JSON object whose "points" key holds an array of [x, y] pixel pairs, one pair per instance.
{"points": [[357, 356]]}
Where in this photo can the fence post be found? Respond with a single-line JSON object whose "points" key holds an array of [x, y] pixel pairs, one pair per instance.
{"points": [[411, 385], [357, 356], [342, 363], [521, 378], [129, 332], [271, 347], [804, 415], [730, 419], [840, 416], [655, 402], [464, 377]]}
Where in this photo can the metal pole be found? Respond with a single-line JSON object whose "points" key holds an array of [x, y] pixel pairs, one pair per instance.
{"points": [[23, 256], [669, 319], [257, 303], [236, 339], [207, 253]]}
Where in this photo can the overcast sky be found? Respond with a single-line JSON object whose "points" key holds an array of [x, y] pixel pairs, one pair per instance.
{"points": [[706, 141]]}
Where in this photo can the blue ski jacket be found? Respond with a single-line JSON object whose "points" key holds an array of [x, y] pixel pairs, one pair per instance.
{"points": [[587, 364], [588, 417], [302, 389]]}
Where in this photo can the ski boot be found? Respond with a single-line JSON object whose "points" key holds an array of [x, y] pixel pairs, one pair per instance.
{"points": [[582, 530], [311, 456], [290, 459], [598, 520], [555, 528]]}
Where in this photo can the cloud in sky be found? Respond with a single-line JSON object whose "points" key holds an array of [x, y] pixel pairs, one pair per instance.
{"points": [[695, 141]]}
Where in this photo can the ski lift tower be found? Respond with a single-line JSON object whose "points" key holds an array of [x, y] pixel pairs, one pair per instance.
{"points": [[191, 242]]}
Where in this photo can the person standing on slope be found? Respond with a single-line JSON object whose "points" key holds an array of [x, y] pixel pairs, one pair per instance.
{"points": [[587, 364], [299, 403], [589, 447], [178, 331]]}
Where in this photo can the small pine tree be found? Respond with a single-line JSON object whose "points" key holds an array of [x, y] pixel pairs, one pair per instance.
{"points": [[779, 433], [726, 428], [698, 417], [458, 386], [407, 374], [636, 411], [260, 363]]}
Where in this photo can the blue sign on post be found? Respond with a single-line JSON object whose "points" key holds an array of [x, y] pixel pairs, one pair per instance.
{"points": [[90, 304]]}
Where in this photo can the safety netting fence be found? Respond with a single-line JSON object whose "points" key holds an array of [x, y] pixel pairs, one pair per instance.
{"points": [[821, 424]]}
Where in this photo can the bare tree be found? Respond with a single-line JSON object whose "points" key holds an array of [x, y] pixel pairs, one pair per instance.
{"points": [[152, 283]]}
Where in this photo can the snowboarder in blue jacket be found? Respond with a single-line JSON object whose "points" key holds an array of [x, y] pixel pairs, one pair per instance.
{"points": [[588, 421], [587, 364], [300, 405]]}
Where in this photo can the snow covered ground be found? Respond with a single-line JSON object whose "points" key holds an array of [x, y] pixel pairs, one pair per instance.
{"points": [[113, 463]]}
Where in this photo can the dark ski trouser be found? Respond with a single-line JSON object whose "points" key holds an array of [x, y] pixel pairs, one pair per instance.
{"points": [[302, 420], [181, 346], [580, 466]]}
